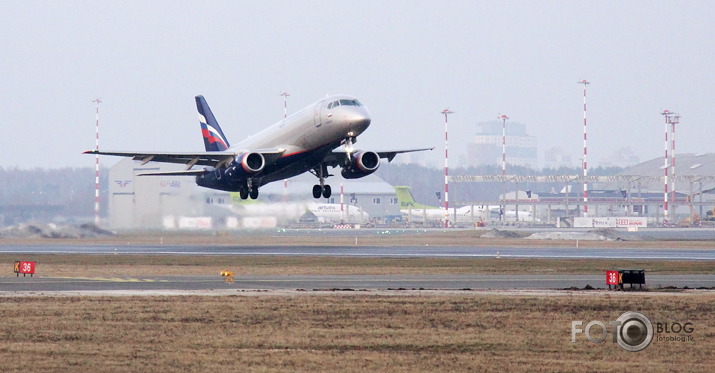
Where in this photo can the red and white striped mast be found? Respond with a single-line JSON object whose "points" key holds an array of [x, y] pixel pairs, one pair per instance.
{"points": [[446, 113], [585, 152], [503, 161], [96, 165], [285, 103], [285, 115], [503, 145], [673, 122], [666, 114], [342, 204]]}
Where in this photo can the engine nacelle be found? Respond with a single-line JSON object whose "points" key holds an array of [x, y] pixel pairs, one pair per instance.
{"points": [[363, 163], [251, 162]]}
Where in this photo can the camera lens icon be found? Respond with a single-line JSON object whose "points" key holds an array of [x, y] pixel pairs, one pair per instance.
{"points": [[635, 331]]}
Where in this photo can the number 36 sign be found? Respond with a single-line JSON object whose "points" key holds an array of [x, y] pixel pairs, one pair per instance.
{"points": [[26, 268]]}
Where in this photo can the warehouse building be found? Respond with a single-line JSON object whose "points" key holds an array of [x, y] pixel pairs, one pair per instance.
{"points": [[176, 202]]}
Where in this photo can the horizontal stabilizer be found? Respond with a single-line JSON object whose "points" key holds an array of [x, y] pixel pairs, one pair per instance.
{"points": [[174, 173]]}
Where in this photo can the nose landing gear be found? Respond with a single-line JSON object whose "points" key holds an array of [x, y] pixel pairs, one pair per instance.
{"points": [[324, 191]]}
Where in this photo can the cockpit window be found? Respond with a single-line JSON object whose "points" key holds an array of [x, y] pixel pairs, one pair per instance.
{"points": [[350, 102], [337, 103]]}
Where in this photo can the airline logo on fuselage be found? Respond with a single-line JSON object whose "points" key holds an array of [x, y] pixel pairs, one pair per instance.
{"points": [[328, 208]]}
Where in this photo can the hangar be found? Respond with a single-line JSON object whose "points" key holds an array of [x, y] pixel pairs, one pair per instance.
{"points": [[638, 191], [175, 202]]}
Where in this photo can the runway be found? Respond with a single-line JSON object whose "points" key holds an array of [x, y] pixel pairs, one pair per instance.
{"points": [[328, 282], [373, 251], [212, 281]]}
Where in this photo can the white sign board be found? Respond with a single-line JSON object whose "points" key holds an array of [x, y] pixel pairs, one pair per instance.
{"points": [[187, 222], [611, 222]]}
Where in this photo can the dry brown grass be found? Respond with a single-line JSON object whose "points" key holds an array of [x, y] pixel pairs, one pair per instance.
{"points": [[341, 333], [176, 265], [329, 238]]}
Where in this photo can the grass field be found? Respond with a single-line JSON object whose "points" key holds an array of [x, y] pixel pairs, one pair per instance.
{"points": [[343, 333]]}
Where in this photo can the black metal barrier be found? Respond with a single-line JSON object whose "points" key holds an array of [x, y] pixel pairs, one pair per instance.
{"points": [[625, 276]]}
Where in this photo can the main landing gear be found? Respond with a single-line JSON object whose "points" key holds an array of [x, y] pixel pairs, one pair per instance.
{"points": [[248, 190], [324, 191], [321, 189]]}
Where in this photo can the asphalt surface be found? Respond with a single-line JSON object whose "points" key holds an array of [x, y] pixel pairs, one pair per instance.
{"points": [[328, 282], [10, 284], [375, 251]]}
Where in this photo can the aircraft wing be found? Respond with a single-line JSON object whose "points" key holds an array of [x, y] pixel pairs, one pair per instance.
{"points": [[338, 157], [390, 154], [213, 159]]}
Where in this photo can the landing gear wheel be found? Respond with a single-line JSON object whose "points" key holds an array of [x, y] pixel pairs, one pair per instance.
{"points": [[317, 191], [243, 192], [254, 193], [327, 191]]}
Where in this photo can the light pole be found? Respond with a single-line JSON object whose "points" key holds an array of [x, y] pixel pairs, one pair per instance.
{"points": [[675, 120], [342, 204], [285, 115], [503, 165], [96, 165], [285, 103], [446, 113], [585, 152], [666, 114]]}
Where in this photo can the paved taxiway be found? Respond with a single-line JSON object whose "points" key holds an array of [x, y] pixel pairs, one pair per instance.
{"points": [[325, 282], [374, 251]]}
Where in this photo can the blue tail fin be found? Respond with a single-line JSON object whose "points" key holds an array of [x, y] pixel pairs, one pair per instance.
{"points": [[214, 139]]}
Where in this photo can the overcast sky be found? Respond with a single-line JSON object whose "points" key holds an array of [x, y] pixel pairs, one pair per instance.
{"points": [[405, 60]]}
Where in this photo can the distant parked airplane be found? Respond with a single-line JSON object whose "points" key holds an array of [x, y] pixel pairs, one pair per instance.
{"points": [[419, 213], [304, 141], [293, 211]]}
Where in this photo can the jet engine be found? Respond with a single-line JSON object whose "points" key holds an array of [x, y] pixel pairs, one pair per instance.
{"points": [[252, 162], [362, 163]]}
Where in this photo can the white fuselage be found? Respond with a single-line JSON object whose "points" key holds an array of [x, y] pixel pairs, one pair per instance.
{"points": [[434, 215], [293, 211], [310, 128]]}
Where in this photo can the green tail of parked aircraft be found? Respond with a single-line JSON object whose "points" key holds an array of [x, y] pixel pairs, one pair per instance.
{"points": [[419, 213], [407, 201]]}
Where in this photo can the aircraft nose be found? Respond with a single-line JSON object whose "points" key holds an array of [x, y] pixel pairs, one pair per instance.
{"points": [[358, 121]]}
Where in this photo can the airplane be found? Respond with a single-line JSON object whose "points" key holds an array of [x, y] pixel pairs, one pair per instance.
{"points": [[304, 141], [419, 213], [510, 215], [293, 211], [330, 212]]}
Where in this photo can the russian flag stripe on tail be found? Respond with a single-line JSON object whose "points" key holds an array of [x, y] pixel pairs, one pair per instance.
{"points": [[214, 139]]}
